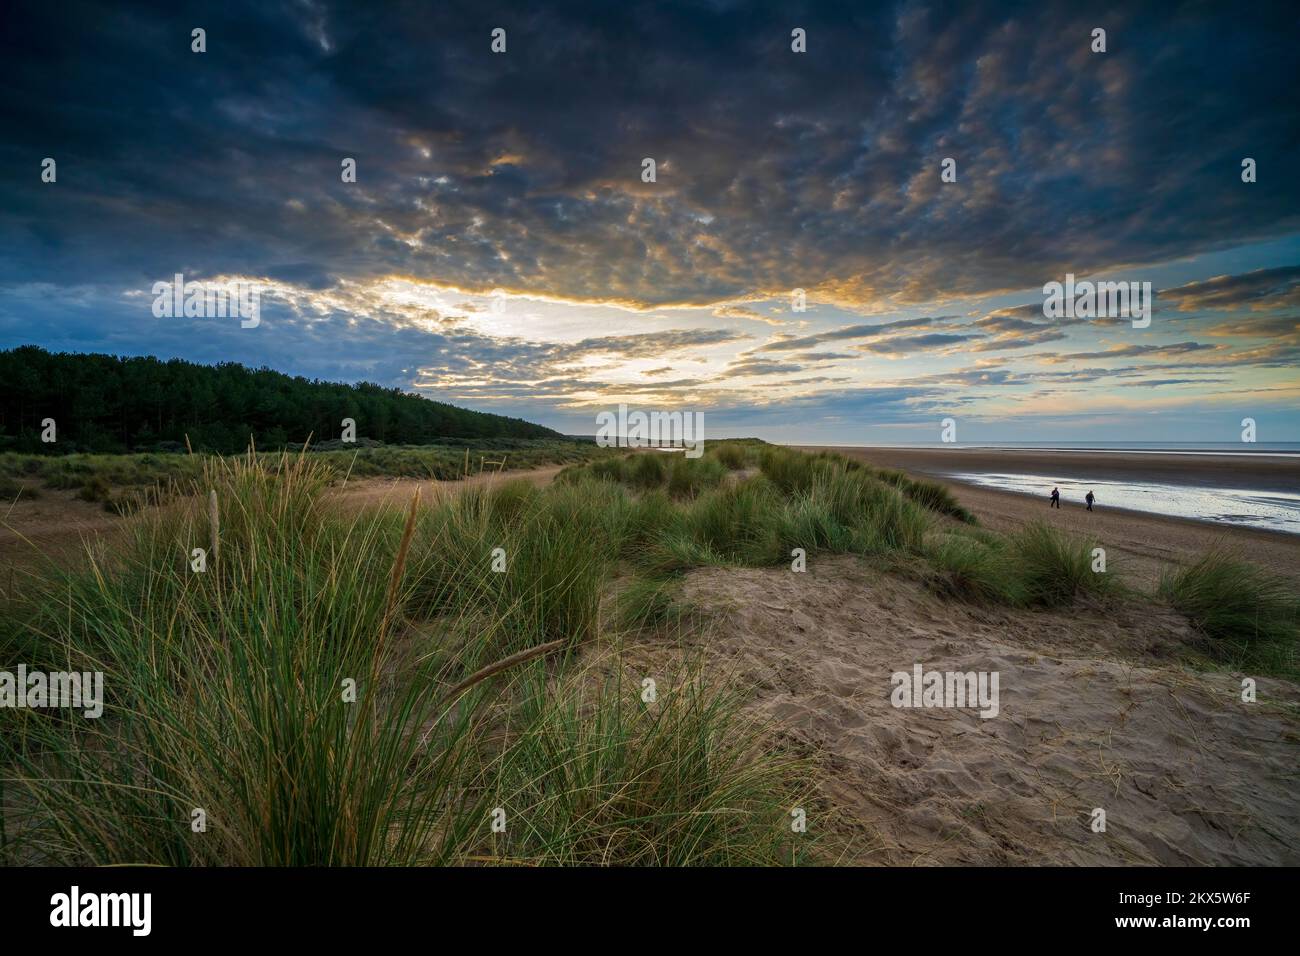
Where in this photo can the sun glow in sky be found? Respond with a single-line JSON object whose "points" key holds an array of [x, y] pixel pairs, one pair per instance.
{"points": [[499, 249]]}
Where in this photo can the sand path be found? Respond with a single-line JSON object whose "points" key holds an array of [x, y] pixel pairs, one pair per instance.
{"points": [[58, 523]]}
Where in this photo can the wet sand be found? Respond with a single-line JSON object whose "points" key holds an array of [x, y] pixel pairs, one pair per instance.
{"points": [[1261, 472], [1143, 543]]}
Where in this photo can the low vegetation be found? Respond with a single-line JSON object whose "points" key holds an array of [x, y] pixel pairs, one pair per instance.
{"points": [[1249, 617], [1036, 566], [365, 689], [443, 683], [123, 482]]}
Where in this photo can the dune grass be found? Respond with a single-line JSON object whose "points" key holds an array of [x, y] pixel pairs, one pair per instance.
{"points": [[820, 502], [975, 569], [1035, 566], [1250, 617], [649, 601], [616, 775], [306, 696], [1054, 568], [679, 476], [794, 471], [369, 687], [226, 694]]}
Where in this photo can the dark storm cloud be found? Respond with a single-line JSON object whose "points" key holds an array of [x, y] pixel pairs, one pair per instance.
{"points": [[776, 170]]}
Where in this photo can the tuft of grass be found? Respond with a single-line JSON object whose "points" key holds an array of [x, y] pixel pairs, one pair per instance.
{"points": [[730, 455], [1249, 616], [600, 775], [689, 476], [1036, 566], [95, 488], [646, 470], [552, 550], [737, 523], [1054, 568], [934, 496], [975, 570], [14, 488], [227, 694], [649, 603]]}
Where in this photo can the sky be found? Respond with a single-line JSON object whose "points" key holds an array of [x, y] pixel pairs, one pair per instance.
{"points": [[500, 248]]}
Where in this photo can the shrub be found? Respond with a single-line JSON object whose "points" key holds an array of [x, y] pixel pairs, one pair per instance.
{"points": [[95, 488]]}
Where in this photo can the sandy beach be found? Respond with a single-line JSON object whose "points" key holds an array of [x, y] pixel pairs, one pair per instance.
{"points": [[1258, 471], [1142, 543]]}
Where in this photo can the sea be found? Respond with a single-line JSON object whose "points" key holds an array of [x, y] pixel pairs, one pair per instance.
{"points": [[1270, 509]]}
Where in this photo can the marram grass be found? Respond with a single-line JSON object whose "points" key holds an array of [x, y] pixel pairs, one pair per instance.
{"points": [[363, 689], [376, 687]]}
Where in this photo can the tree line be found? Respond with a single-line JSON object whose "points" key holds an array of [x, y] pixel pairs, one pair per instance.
{"points": [[107, 403]]}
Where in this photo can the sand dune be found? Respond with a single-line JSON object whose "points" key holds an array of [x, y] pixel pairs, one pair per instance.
{"points": [[1095, 709], [1095, 713]]}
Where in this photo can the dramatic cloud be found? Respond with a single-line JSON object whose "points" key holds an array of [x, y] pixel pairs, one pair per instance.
{"points": [[1262, 289], [790, 343], [500, 248], [523, 170], [1127, 351]]}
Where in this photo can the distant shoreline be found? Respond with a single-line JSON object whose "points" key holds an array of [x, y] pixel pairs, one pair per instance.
{"points": [[1265, 452], [1249, 471], [1144, 541]]}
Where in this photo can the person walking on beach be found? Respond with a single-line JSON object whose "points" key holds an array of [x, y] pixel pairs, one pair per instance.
{"points": [[1090, 499], [1056, 498]]}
